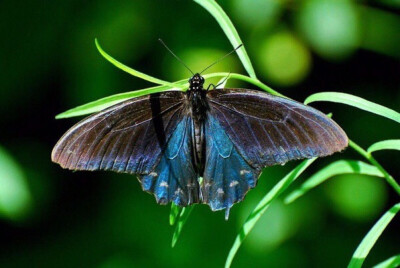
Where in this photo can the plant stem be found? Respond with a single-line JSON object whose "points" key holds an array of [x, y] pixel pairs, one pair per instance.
{"points": [[392, 182], [245, 78]]}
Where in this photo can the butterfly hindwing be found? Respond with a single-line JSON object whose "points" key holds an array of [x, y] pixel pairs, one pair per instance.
{"points": [[269, 130], [174, 178], [227, 176]]}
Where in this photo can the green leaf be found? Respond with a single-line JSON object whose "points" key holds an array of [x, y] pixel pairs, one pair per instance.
{"points": [[333, 169], [227, 26], [247, 79], [132, 71], [185, 212], [390, 180], [355, 102], [392, 262], [263, 205], [384, 145], [106, 102], [98, 105], [173, 215], [369, 240]]}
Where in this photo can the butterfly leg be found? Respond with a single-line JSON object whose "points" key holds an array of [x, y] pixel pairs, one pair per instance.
{"points": [[211, 86], [221, 83]]}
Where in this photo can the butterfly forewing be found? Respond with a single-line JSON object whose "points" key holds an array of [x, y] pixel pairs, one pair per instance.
{"points": [[269, 130], [127, 137]]}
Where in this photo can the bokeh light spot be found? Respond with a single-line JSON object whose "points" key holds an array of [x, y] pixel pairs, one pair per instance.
{"points": [[357, 197], [284, 59], [273, 228], [257, 13], [331, 27], [15, 197]]}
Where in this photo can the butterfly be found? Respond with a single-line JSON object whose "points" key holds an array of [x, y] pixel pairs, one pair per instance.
{"points": [[198, 146]]}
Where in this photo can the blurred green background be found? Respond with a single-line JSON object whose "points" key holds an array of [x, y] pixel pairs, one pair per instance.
{"points": [[51, 217]]}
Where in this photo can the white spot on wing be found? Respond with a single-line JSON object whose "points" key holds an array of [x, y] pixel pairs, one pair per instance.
{"points": [[220, 191], [244, 171], [164, 184], [178, 191], [153, 174], [233, 183]]}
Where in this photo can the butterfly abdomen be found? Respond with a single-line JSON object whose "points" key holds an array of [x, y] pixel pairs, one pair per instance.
{"points": [[198, 111], [198, 142]]}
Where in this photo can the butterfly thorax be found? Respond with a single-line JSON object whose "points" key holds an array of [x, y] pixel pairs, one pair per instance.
{"points": [[198, 110]]}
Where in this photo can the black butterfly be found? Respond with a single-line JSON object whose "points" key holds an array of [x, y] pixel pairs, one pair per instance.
{"points": [[172, 139]]}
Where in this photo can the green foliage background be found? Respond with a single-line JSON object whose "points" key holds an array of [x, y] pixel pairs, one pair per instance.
{"points": [[49, 63]]}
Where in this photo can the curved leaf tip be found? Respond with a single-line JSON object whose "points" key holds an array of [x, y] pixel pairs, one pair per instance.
{"points": [[133, 72], [354, 101]]}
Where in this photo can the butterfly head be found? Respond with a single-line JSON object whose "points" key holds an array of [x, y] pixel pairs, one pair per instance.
{"points": [[196, 82]]}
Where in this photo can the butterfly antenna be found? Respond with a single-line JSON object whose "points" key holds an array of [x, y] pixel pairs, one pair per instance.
{"points": [[173, 54], [221, 58]]}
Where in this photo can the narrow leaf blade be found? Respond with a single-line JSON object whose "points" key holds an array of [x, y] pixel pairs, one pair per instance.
{"points": [[133, 71], [384, 145], [331, 170], [174, 213], [263, 205], [354, 101], [100, 104], [229, 29], [181, 222], [392, 262], [372, 236]]}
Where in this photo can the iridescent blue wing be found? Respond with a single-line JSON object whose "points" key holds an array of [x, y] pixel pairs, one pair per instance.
{"points": [[136, 136], [264, 130], [174, 178], [227, 175]]}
